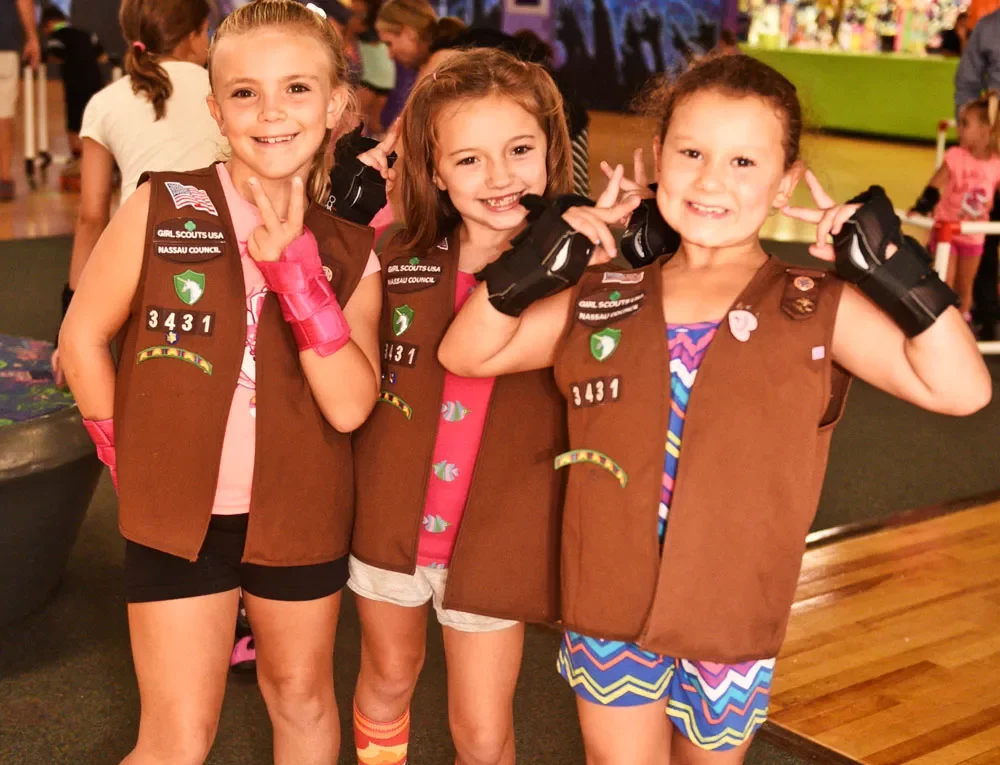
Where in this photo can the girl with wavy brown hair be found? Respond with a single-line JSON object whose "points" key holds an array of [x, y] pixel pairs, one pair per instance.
{"points": [[457, 505]]}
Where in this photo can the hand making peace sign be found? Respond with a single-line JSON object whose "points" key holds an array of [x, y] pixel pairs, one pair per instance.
{"points": [[378, 157], [593, 222], [269, 240], [639, 184], [829, 218]]}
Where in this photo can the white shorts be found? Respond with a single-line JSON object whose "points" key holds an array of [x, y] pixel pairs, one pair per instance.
{"points": [[10, 65], [412, 590]]}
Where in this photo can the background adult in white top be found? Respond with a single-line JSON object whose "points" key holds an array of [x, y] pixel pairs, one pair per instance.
{"points": [[17, 23], [154, 118]]}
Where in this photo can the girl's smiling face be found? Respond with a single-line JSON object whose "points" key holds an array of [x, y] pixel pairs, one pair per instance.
{"points": [[722, 168], [274, 98], [490, 151]]}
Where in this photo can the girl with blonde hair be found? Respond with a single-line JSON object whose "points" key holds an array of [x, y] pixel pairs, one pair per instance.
{"points": [[248, 320]]}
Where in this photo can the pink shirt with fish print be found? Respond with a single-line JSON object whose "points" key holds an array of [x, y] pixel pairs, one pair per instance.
{"points": [[463, 416], [232, 492]]}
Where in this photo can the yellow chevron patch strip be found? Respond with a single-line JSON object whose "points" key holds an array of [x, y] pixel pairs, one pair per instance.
{"points": [[594, 458], [173, 352], [392, 399]]}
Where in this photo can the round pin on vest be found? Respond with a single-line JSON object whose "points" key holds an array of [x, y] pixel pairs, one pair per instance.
{"points": [[741, 324]]}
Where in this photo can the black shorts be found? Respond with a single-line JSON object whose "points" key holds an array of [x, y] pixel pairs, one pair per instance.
{"points": [[152, 575]]}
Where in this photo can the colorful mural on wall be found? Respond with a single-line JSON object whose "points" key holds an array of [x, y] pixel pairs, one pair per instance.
{"points": [[475, 13], [608, 49], [481, 13]]}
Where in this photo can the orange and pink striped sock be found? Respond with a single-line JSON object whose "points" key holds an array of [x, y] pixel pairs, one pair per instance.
{"points": [[381, 743]]}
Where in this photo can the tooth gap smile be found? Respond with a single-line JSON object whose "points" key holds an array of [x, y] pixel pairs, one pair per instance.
{"points": [[501, 201]]}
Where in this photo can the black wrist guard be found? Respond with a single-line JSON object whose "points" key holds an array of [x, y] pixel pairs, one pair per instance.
{"points": [[67, 295], [905, 286], [357, 192], [547, 256], [648, 235], [927, 202]]}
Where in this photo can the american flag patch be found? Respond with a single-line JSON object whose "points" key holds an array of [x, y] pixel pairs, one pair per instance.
{"points": [[189, 196]]}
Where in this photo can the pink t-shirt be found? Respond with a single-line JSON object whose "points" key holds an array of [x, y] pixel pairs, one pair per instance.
{"points": [[382, 220], [463, 416], [969, 192], [232, 492]]}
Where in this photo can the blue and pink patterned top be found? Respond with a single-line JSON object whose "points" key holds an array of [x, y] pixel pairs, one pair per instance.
{"points": [[687, 343]]}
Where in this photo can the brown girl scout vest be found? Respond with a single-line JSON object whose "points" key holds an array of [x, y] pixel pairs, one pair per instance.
{"points": [[181, 355], [505, 561], [755, 445]]}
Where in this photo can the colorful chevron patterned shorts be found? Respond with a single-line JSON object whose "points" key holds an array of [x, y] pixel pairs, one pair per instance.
{"points": [[715, 706]]}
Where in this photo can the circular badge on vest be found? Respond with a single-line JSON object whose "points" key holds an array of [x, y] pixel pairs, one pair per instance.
{"points": [[608, 305], [412, 274], [328, 273], [803, 283]]}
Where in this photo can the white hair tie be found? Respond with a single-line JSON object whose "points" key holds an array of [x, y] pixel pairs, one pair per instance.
{"points": [[316, 9]]}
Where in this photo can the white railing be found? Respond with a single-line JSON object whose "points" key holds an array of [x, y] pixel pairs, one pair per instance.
{"points": [[945, 232], [942, 138], [36, 130]]}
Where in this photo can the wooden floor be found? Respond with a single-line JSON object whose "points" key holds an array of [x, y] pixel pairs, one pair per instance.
{"points": [[893, 650], [846, 166], [45, 211]]}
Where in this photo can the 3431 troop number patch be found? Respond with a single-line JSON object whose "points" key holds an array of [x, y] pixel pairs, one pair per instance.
{"points": [[600, 390], [403, 354], [182, 322]]}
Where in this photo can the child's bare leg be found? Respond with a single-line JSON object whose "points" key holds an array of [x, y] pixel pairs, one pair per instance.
{"points": [[965, 276]]}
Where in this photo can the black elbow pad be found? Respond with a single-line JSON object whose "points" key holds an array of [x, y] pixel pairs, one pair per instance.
{"points": [[549, 255]]}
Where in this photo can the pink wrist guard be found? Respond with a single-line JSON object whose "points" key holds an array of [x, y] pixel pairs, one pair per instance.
{"points": [[102, 433], [307, 301]]}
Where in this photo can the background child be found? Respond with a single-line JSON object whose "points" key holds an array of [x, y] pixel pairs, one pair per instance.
{"points": [[240, 372], [963, 188], [80, 54], [418, 38], [690, 492], [153, 118], [370, 69]]}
